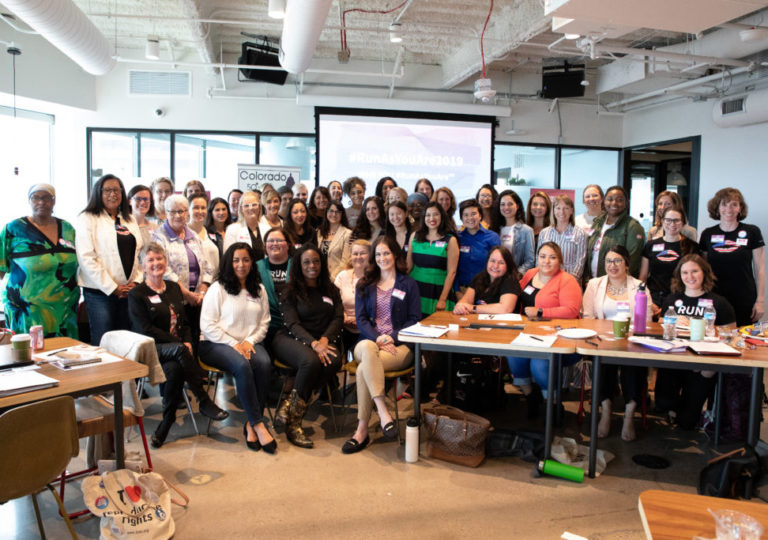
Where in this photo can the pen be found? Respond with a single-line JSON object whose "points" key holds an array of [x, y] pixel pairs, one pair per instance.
{"points": [[592, 343], [536, 338], [599, 338]]}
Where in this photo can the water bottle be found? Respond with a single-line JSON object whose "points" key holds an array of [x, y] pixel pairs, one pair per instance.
{"points": [[412, 440], [669, 324], [709, 318], [641, 310]]}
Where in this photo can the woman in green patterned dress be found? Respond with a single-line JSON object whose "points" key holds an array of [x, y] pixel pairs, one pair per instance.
{"points": [[433, 256], [39, 253]]}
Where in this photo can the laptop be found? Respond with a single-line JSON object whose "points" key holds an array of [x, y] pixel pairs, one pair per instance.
{"points": [[8, 362]]}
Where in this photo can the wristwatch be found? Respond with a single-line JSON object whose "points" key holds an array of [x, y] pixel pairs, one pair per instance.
{"points": [[474, 309], [539, 313]]}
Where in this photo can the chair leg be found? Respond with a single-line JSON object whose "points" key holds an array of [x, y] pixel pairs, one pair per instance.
{"points": [[62, 511], [330, 404], [191, 412], [397, 415], [37, 515], [140, 421], [215, 388]]}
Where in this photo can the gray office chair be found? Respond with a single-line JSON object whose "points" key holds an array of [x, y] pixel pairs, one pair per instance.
{"points": [[36, 443]]}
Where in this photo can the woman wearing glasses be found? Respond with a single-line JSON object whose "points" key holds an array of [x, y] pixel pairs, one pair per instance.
{"points": [[246, 229], [143, 209]]}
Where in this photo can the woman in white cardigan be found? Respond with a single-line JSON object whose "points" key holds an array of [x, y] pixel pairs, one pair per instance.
{"points": [[333, 238], [107, 242], [603, 299], [234, 321]]}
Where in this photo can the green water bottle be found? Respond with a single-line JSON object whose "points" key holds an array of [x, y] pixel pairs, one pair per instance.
{"points": [[561, 470]]}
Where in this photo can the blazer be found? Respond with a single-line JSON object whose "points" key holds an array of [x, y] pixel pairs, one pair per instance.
{"points": [[237, 232], [560, 298], [404, 311], [594, 297], [338, 251], [96, 247]]}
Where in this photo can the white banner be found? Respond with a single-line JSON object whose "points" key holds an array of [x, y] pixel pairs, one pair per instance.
{"points": [[251, 177]]}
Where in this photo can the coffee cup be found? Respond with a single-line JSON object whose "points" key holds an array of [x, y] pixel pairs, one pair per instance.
{"points": [[697, 329], [21, 347], [620, 326]]}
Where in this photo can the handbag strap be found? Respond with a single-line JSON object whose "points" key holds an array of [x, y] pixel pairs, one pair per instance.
{"points": [[184, 501]]}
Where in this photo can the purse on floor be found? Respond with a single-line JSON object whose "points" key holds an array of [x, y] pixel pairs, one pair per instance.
{"points": [[132, 505], [454, 435]]}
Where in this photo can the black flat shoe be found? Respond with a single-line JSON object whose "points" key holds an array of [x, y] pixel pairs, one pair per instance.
{"points": [[252, 445], [156, 441], [353, 447], [211, 410], [390, 430]]}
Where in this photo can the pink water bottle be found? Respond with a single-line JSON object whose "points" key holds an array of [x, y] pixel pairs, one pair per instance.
{"points": [[641, 310]]}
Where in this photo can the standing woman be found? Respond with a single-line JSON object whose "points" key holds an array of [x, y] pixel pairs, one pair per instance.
{"points": [[383, 186], [447, 201], [302, 193], [547, 291], [602, 299], [318, 202], [246, 229], [297, 225], [417, 202], [372, 222], [665, 200], [387, 301], [38, 253], [592, 196], [217, 220], [398, 225], [571, 239], [194, 187], [143, 209], [161, 188], [475, 244], [423, 185], [735, 251], [156, 310], [515, 235], [396, 194], [198, 209], [433, 258], [271, 218], [538, 214], [354, 188], [333, 238], [107, 241], [335, 190], [661, 255], [612, 228], [486, 197], [234, 322], [346, 281], [309, 342]]}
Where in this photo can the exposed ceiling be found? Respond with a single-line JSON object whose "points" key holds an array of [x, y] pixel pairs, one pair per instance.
{"points": [[630, 48]]}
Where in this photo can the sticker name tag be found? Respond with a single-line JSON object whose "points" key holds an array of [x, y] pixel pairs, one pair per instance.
{"points": [[657, 247], [397, 293], [622, 306], [464, 249], [440, 244], [742, 241], [718, 238], [155, 299], [529, 289], [327, 300], [66, 243]]}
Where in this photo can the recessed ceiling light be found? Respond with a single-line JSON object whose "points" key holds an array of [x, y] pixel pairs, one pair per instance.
{"points": [[394, 32], [152, 51]]}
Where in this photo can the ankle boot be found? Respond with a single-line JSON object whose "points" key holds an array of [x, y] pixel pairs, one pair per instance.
{"points": [[281, 414], [158, 437], [296, 411]]}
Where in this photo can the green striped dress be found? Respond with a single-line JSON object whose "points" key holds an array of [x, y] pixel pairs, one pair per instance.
{"points": [[430, 268]]}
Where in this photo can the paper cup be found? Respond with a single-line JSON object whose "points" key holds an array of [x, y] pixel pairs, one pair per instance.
{"points": [[21, 341], [697, 329], [620, 327]]}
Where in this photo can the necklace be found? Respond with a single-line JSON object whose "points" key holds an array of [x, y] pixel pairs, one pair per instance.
{"points": [[616, 290]]}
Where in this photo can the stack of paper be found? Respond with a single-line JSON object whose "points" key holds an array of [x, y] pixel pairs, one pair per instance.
{"points": [[422, 330], [662, 345], [20, 381], [530, 340]]}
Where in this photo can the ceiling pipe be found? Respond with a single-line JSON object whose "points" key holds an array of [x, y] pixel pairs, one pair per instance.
{"points": [[303, 23], [68, 29]]}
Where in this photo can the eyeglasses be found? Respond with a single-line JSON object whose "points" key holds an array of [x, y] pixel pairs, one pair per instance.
{"points": [[335, 212], [177, 212], [41, 198], [111, 190], [275, 241], [141, 199], [672, 221], [250, 205], [613, 261]]}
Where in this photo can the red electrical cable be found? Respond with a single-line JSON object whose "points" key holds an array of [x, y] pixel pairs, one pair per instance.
{"points": [[344, 20], [482, 53]]}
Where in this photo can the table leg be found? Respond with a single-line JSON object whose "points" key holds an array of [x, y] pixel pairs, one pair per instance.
{"points": [[449, 380], [550, 395], [593, 416], [718, 405], [417, 382], [754, 406], [117, 390]]}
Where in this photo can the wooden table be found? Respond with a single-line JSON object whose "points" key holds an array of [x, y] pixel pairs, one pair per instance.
{"points": [[495, 341], [668, 515], [82, 382], [624, 352]]}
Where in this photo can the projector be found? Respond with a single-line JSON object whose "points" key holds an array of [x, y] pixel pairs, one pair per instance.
{"points": [[483, 90]]}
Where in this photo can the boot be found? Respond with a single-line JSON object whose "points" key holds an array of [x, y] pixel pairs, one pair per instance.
{"points": [[281, 414], [158, 437], [296, 411]]}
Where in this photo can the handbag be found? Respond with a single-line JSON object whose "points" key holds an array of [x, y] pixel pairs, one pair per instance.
{"points": [[132, 505], [455, 436], [731, 474]]}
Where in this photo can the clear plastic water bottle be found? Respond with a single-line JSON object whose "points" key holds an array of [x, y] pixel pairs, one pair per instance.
{"points": [[709, 318], [669, 324]]}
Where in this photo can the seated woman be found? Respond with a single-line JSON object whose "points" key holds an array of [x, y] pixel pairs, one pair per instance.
{"points": [[387, 300], [495, 289], [333, 238], [346, 281], [233, 323], [547, 291], [681, 392], [156, 310], [603, 299], [309, 342]]}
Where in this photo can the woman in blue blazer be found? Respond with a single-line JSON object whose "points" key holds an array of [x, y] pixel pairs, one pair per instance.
{"points": [[387, 301]]}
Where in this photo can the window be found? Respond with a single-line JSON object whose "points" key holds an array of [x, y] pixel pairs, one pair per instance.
{"points": [[524, 169], [580, 167], [212, 159], [293, 151], [134, 157]]}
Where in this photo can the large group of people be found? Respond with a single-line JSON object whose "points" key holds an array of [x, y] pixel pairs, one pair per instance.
{"points": [[284, 276]]}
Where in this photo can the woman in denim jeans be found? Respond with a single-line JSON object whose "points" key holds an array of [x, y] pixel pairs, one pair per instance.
{"points": [[516, 236]]}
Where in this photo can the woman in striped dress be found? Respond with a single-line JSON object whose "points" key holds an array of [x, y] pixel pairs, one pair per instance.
{"points": [[433, 256]]}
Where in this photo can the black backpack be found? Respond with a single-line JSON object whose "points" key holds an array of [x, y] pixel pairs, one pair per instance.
{"points": [[732, 475]]}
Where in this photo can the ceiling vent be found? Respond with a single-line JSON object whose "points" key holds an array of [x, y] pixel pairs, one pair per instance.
{"points": [[731, 106], [741, 110], [159, 83]]}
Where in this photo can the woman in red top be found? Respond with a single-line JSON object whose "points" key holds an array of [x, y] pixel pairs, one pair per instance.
{"points": [[547, 291]]}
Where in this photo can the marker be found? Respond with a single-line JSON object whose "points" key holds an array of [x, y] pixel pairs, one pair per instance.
{"points": [[537, 339]]}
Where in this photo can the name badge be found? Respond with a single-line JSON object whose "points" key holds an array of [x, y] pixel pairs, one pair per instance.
{"points": [[742, 241], [464, 249], [397, 293], [589, 231], [155, 299], [657, 247], [529, 289], [622, 306], [440, 244], [327, 300], [66, 243], [704, 302], [212, 236], [506, 238], [718, 238]]}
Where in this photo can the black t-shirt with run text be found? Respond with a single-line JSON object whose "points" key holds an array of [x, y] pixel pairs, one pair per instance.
{"points": [[691, 306], [662, 258], [279, 273]]}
